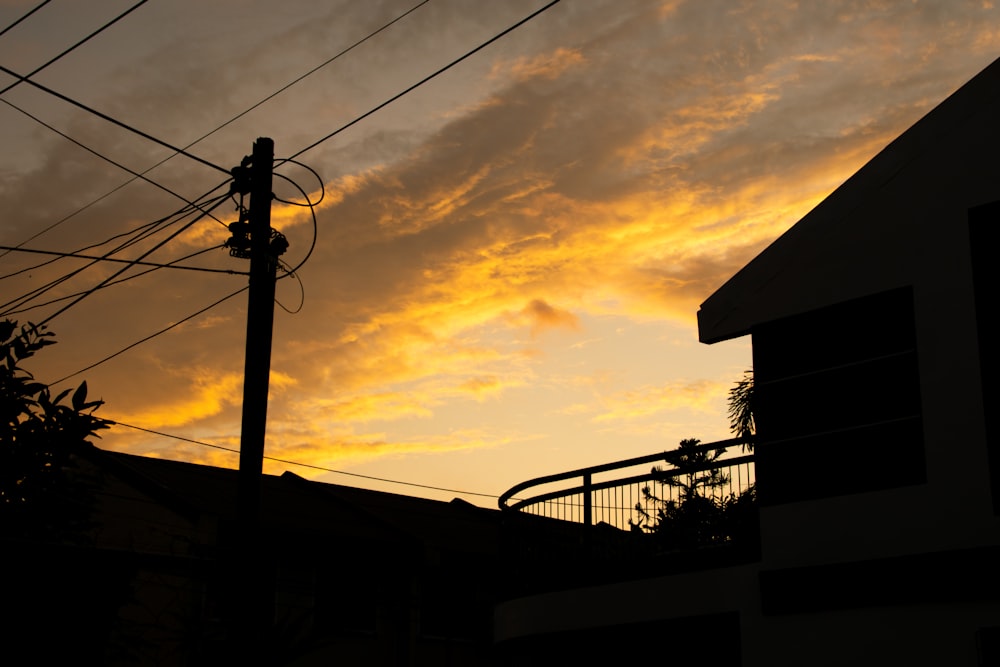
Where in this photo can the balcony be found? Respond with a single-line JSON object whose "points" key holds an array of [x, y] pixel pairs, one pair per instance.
{"points": [[689, 508]]}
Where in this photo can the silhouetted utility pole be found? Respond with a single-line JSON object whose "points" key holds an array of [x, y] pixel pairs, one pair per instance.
{"points": [[254, 238], [260, 323]]}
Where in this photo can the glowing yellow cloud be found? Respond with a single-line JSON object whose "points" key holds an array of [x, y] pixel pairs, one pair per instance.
{"points": [[205, 397], [644, 402], [384, 406]]}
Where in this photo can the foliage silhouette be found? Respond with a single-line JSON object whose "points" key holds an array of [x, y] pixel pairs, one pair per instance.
{"points": [[689, 512], [741, 417], [41, 495]]}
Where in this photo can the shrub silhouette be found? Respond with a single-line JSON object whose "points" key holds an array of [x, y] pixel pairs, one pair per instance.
{"points": [[39, 495], [689, 512]]}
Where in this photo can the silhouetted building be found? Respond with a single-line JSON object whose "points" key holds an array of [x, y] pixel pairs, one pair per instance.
{"points": [[876, 457], [358, 577]]}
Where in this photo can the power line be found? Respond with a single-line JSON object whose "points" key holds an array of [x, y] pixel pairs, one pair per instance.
{"points": [[302, 290], [33, 267], [123, 261], [146, 226], [307, 148], [316, 143], [75, 46], [73, 214], [96, 153], [157, 266], [426, 79], [51, 61], [14, 24], [126, 268], [113, 283], [309, 73], [305, 465], [322, 186], [149, 337], [29, 296], [145, 231], [206, 135], [312, 211], [114, 121]]}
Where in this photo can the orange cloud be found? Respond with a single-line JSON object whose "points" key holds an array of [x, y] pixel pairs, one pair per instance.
{"points": [[540, 316], [384, 406], [319, 449], [625, 170], [482, 386], [549, 65], [206, 397]]}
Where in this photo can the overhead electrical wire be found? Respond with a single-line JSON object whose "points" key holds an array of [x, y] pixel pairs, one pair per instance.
{"points": [[30, 12], [307, 74], [312, 211], [151, 336], [228, 122], [25, 79], [47, 64], [126, 268], [145, 231], [75, 213], [114, 121], [26, 269], [170, 265], [332, 134], [118, 282], [302, 291], [35, 293], [70, 49], [319, 179], [100, 155], [308, 203], [426, 78], [304, 465], [307, 148], [81, 295]]}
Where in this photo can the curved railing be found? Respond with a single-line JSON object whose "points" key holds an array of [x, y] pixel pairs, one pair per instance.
{"points": [[580, 496]]}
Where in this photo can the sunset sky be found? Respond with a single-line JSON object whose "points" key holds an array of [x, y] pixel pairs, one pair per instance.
{"points": [[508, 259]]}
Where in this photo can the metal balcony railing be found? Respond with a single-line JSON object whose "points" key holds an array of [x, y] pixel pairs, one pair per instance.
{"points": [[588, 497]]}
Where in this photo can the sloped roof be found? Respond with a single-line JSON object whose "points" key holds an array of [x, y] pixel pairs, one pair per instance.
{"points": [[900, 220], [308, 507]]}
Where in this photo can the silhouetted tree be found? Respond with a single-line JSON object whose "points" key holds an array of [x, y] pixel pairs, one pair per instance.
{"points": [[39, 495], [697, 475], [688, 513], [741, 419]]}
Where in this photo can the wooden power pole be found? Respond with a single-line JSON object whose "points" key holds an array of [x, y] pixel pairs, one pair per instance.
{"points": [[260, 324], [253, 585]]}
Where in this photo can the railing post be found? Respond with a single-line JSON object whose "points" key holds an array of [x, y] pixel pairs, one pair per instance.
{"points": [[588, 517]]}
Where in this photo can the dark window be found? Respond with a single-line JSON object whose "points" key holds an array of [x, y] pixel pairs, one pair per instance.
{"points": [[837, 400], [988, 646], [984, 221]]}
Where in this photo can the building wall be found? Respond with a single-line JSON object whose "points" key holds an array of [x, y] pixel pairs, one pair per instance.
{"points": [[869, 574]]}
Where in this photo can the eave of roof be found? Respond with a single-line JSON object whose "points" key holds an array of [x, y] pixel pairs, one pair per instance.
{"points": [[854, 229]]}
